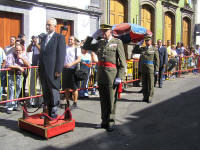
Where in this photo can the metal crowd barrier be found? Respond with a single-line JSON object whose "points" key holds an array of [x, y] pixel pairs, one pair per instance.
{"points": [[33, 87]]}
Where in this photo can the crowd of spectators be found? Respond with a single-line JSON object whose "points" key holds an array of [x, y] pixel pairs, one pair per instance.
{"points": [[16, 56]]}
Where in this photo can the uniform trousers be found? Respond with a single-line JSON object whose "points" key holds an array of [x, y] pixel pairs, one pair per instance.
{"points": [[148, 85], [108, 99]]}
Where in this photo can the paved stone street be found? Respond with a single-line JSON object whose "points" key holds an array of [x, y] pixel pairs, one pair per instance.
{"points": [[171, 122]]}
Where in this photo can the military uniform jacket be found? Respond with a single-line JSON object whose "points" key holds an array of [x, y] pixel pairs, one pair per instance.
{"points": [[149, 59], [112, 52]]}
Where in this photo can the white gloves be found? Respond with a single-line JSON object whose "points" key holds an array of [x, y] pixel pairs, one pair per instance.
{"points": [[97, 34], [140, 43], [156, 73], [118, 81]]}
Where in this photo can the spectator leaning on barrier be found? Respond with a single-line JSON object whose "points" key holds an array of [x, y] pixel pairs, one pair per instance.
{"points": [[163, 57], [34, 48], [16, 61], [21, 40], [2, 65], [72, 58], [172, 58]]}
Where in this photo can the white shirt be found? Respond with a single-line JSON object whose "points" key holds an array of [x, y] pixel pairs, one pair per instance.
{"points": [[2, 54], [8, 50], [49, 36], [70, 55], [35, 50]]}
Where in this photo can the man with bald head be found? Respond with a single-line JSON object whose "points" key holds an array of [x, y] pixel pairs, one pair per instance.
{"points": [[52, 56]]}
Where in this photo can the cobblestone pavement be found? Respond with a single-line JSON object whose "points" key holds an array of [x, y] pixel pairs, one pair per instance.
{"points": [[171, 122]]}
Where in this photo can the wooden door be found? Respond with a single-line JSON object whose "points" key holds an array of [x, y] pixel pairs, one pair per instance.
{"points": [[186, 32], [67, 33], [147, 17], [117, 12], [10, 25], [169, 28]]}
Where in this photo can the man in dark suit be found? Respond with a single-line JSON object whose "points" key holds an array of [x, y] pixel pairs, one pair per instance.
{"points": [[163, 56], [52, 54]]}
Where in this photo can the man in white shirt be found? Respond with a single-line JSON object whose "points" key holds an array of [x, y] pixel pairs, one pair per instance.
{"points": [[73, 57], [10, 48], [34, 50]]}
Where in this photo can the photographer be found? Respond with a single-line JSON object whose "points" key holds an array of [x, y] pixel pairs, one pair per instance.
{"points": [[34, 48]]}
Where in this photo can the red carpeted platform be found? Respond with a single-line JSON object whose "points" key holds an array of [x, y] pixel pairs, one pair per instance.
{"points": [[36, 125]]}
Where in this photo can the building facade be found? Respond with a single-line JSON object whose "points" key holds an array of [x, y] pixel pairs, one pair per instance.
{"points": [[29, 17], [167, 19]]}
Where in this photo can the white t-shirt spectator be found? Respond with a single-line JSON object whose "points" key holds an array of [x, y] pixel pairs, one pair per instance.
{"points": [[2, 56], [8, 50], [70, 55]]}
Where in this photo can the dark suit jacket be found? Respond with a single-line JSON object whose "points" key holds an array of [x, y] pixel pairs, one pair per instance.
{"points": [[163, 56], [52, 59]]}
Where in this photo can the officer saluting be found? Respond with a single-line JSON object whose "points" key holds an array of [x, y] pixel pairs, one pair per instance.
{"points": [[149, 62], [111, 68]]}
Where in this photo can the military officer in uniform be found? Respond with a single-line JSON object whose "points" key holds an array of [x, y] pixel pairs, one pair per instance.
{"points": [[149, 62], [111, 69]]}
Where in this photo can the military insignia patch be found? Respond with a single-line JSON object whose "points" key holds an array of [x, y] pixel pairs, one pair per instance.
{"points": [[113, 45]]}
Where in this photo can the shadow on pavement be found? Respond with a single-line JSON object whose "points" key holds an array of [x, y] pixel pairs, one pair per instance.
{"points": [[13, 125], [173, 124]]}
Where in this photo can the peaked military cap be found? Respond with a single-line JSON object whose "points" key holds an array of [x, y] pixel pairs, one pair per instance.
{"points": [[147, 37], [105, 26]]}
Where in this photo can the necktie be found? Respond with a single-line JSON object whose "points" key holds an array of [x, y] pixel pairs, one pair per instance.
{"points": [[47, 39]]}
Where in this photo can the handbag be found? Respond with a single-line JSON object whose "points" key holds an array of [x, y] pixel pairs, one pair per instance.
{"points": [[80, 73]]}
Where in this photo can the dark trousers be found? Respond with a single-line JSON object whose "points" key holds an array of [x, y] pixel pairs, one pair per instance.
{"points": [[108, 99], [51, 96], [159, 77], [172, 63]]}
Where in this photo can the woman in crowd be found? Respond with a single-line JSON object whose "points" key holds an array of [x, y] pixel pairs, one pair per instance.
{"points": [[86, 60], [172, 56]]}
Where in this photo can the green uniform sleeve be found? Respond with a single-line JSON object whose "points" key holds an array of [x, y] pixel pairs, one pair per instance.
{"points": [[156, 60], [89, 46], [121, 60]]}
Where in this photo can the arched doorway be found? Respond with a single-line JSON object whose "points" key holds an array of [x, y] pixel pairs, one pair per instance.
{"points": [[117, 11], [169, 27], [147, 17], [186, 31]]}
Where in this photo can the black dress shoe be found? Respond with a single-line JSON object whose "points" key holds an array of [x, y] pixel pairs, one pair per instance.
{"points": [[110, 128], [101, 126], [145, 100], [149, 101]]}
